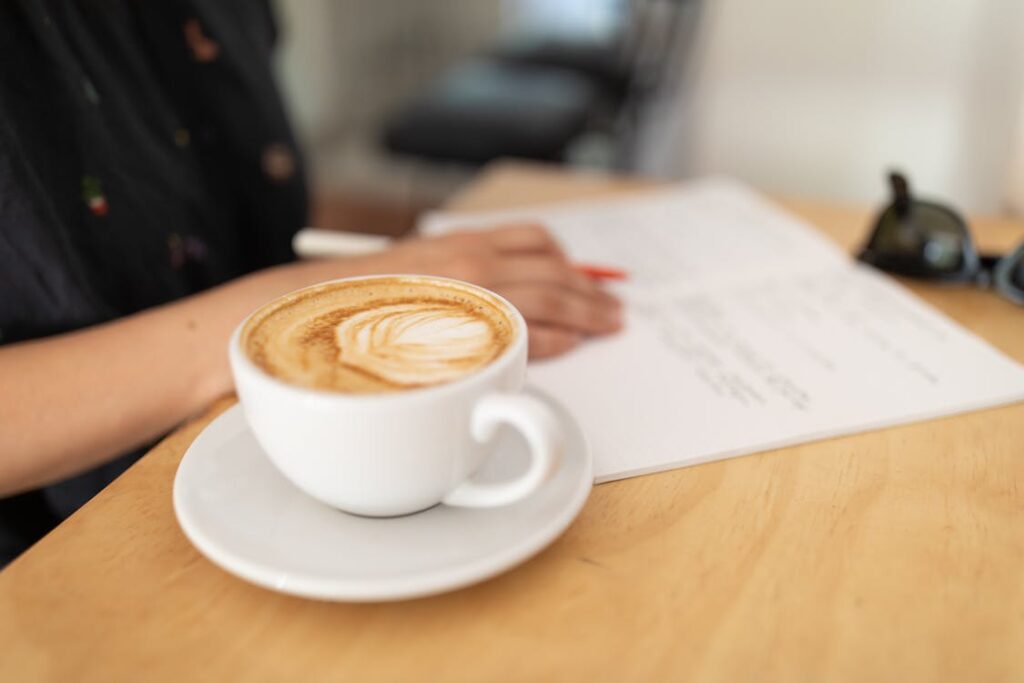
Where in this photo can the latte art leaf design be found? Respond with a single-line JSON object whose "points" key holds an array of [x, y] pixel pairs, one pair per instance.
{"points": [[415, 344]]}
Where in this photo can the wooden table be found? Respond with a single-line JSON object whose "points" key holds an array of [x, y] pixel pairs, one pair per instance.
{"points": [[896, 555]]}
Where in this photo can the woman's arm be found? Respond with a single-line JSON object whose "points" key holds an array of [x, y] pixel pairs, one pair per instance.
{"points": [[72, 401], [69, 402]]}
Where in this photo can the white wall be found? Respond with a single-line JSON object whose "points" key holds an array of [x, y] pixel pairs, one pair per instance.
{"points": [[1014, 185], [345, 64], [307, 51], [818, 97]]}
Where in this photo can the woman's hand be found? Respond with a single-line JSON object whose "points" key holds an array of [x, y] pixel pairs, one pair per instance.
{"points": [[524, 264]]}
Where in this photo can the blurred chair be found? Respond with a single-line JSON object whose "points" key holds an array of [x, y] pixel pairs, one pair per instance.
{"points": [[486, 108], [534, 95]]}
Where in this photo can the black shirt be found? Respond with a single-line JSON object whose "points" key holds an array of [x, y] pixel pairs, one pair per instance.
{"points": [[145, 155]]}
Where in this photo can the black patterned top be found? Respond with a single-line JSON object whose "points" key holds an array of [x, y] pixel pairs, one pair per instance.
{"points": [[145, 155]]}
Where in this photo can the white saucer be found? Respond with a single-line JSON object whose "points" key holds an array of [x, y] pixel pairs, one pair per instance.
{"points": [[240, 512]]}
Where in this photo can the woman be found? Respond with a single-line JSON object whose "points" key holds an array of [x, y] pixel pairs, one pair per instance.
{"points": [[149, 190]]}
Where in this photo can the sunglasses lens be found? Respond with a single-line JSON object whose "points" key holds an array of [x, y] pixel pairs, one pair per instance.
{"points": [[1017, 272], [923, 239], [1009, 275]]}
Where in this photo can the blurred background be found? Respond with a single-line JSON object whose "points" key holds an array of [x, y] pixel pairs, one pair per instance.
{"points": [[399, 102]]}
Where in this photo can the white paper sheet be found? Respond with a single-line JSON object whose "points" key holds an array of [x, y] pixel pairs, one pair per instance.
{"points": [[746, 330]]}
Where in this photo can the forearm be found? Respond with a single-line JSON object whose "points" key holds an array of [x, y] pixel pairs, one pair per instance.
{"points": [[72, 401]]}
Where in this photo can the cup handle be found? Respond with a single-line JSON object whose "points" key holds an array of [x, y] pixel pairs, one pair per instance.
{"points": [[543, 433]]}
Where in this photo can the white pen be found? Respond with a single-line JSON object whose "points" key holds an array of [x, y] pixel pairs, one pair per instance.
{"points": [[320, 243]]}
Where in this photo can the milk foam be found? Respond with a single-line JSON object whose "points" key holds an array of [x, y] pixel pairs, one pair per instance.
{"points": [[378, 334], [415, 344]]}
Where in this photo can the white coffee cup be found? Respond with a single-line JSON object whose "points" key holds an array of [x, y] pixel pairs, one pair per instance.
{"points": [[396, 453]]}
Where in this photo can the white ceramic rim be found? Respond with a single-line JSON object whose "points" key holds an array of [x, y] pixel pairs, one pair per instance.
{"points": [[241, 359]]}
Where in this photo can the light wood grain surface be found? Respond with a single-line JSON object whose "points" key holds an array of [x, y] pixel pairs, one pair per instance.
{"points": [[896, 555]]}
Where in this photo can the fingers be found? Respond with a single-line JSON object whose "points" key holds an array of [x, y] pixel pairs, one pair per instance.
{"points": [[476, 257], [523, 237], [546, 342], [541, 270], [563, 308]]}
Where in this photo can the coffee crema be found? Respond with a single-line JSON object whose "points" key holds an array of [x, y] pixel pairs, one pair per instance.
{"points": [[378, 334]]}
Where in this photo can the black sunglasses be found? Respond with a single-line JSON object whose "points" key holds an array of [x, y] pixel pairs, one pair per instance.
{"points": [[931, 241]]}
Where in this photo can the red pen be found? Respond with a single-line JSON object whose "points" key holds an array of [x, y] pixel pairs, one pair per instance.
{"points": [[600, 272]]}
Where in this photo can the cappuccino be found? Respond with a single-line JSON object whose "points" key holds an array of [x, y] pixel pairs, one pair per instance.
{"points": [[379, 334]]}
